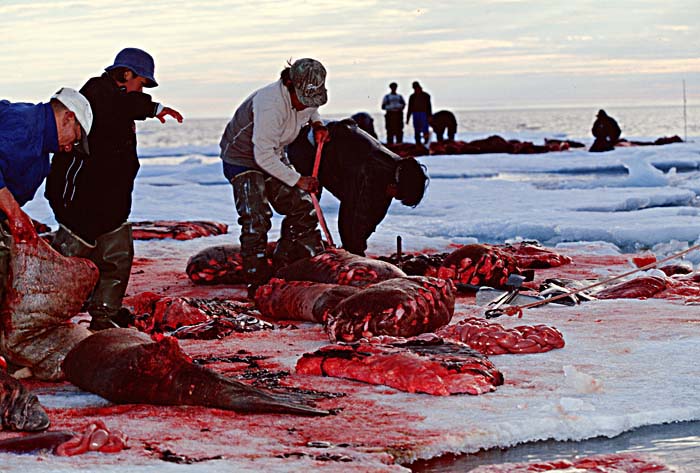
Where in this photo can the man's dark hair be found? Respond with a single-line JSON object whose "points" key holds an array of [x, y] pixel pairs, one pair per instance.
{"points": [[118, 74], [412, 181], [393, 85], [284, 75], [287, 79]]}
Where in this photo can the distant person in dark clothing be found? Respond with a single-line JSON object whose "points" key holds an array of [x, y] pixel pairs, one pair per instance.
{"points": [[420, 109], [366, 122], [393, 103], [364, 176], [441, 121], [606, 132]]}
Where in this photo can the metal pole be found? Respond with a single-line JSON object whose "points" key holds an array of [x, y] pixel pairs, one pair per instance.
{"points": [[685, 115], [314, 199]]}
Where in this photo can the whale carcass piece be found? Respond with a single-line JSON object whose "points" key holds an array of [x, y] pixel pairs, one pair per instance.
{"points": [[45, 290], [479, 265], [220, 264], [491, 338], [336, 266], [638, 288], [425, 364], [400, 307], [127, 367], [161, 229], [19, 408], [300, 300], [533, 256]]}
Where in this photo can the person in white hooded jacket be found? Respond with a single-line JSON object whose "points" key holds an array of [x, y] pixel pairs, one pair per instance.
{"points": [[254, 161]]}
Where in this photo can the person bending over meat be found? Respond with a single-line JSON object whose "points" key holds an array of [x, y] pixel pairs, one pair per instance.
{"points": [[442, 121], [364, 175], [28, 133]]}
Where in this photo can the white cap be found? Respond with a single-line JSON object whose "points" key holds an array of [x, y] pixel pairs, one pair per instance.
{"points": [[78, 104]]}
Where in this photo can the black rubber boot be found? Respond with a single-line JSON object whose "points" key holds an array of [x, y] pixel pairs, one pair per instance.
{"points": [[113, 255], [255, 219], [300, 236], [69, 244]]}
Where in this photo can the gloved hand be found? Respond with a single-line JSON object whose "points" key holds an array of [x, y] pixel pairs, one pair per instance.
{"points": [[308, 183]]}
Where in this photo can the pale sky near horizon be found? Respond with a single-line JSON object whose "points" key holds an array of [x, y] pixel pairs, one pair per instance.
{"points": [[467, 54]]}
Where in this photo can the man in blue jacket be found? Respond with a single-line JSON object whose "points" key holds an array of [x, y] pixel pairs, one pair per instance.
{"points": [[28, 133]]}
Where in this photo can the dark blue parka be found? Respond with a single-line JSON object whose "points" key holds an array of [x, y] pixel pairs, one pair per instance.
{"points": [[27, 135]]}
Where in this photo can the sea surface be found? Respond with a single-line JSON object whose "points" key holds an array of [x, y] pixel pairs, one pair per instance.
{"points": [[200, 136]]}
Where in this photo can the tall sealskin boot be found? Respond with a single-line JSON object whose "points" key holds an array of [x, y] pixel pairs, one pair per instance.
{"points": [[113, 255]]}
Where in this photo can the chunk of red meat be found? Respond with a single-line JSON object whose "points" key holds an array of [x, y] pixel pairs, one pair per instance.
{"points": [[401, 307], [479, 265], [300, 300], [426, 364], [638, 288], [335, 266], [161, 229], [491, 338]]}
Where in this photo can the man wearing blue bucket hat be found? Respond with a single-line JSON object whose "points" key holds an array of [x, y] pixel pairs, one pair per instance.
{"points": [[91, 195]]}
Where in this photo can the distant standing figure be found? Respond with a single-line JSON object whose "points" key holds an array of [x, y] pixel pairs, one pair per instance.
{"points": [[441, 121], [393, 103], [365, 122], [606, 132], [420, 109]]}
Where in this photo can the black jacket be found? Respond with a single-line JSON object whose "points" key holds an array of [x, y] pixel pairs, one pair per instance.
{"points": [[356, 169], [606, 128], [420, 102], [92, 195]]}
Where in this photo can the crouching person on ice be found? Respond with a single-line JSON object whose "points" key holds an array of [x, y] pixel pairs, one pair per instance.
{"points": [[252, 150], [91, 196]]}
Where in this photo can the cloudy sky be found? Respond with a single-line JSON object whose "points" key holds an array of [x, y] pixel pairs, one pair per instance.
{"points": [[211, 54]]}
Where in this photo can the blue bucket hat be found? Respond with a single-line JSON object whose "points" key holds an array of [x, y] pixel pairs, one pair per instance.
{"points": [[138, 61]]}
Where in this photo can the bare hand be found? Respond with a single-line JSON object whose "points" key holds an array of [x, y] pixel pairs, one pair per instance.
{"points": [[22, 227], [308, 184], [169, 111]]}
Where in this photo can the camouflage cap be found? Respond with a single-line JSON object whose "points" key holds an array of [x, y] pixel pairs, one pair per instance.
{"points": [[309, 78]]}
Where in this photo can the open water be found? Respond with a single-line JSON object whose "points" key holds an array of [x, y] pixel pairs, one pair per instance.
{"points": [[202, 135]]}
